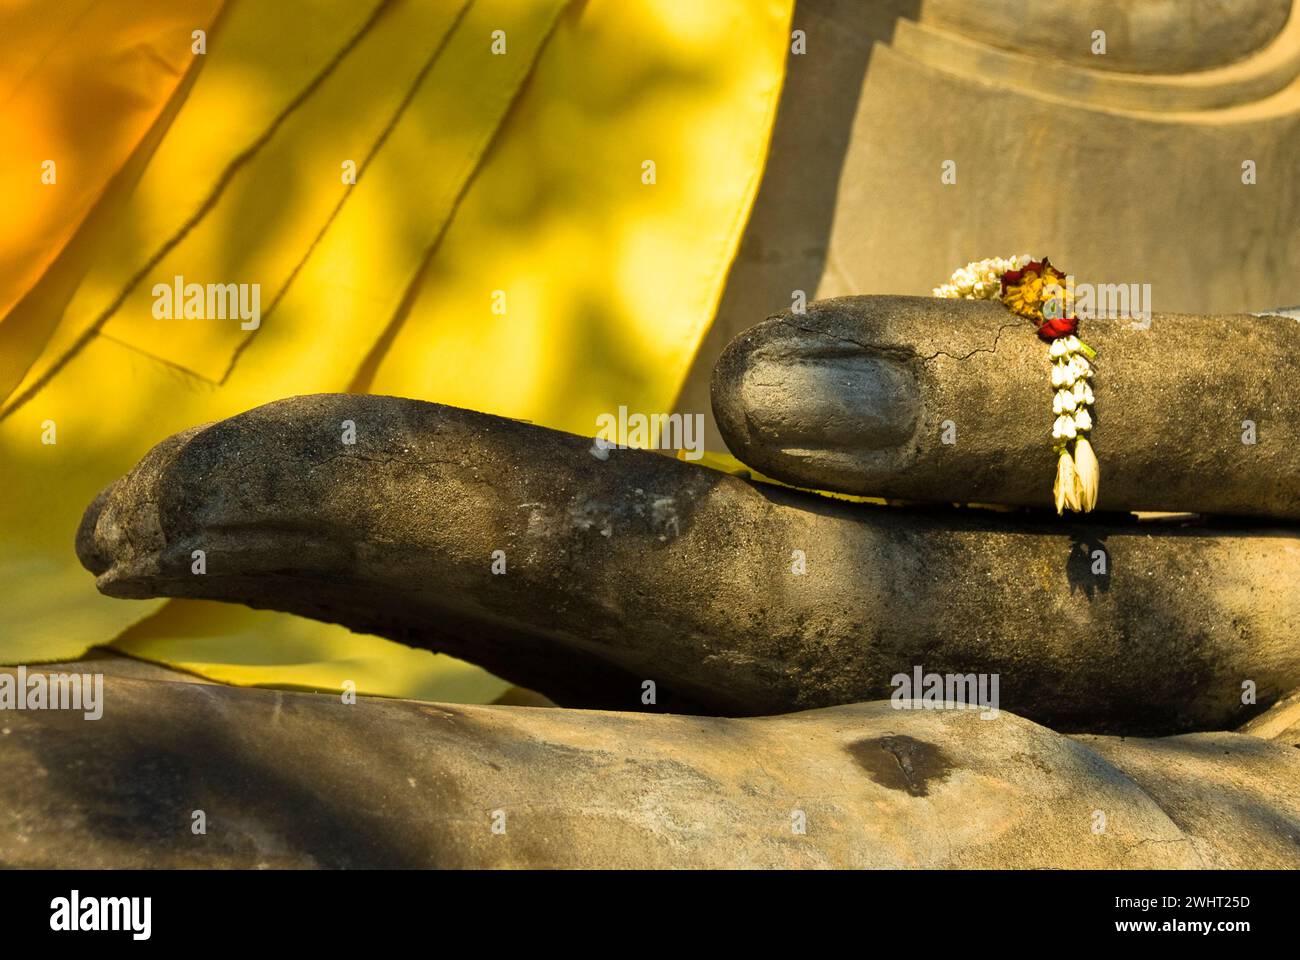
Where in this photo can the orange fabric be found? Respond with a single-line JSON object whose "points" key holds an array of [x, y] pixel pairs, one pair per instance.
{"points": [[80, 84]]}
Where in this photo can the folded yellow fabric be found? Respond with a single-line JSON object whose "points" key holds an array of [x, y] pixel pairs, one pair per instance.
{"points": [[339, 302], [609, 281], [222, 641], [262, 61], [587, 259], [81, 82], [351, 280], [285, 195]]}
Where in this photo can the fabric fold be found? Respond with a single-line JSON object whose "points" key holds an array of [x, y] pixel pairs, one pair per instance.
{"points": [[512, 162]]}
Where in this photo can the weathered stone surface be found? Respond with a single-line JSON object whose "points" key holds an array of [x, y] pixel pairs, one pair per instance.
{"points": [[302, 780], [1109, 206], [638, 567], [853, 201], [1220, 785], [853, 396], [1166, 38], [1280, 722]]}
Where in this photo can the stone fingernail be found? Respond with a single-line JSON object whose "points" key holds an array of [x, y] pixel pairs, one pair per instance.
{"points": [[824, 401], [92, 548]]}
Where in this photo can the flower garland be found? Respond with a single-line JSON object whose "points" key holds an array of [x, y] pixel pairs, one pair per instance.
{"points": [[1028, 288]]}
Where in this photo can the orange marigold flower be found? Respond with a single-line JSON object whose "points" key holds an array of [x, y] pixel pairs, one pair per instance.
{"points": [[1023, 291]]}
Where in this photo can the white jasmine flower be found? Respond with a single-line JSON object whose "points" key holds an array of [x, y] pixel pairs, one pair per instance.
{"points": [[1062, 375], [978, 280], [1077, 472], [1065, 490], [1087, 474]]}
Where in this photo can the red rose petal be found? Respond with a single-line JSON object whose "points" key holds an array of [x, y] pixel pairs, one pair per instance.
{"points": [[1060, 327], [1015, 276]]}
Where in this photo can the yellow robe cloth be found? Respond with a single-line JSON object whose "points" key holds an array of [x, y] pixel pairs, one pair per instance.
{"points": [[81, 84], [506, 246], [258, 67]]}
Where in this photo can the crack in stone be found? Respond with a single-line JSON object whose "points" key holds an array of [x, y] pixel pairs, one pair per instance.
{"points": [[900, 351], [993, 349]]}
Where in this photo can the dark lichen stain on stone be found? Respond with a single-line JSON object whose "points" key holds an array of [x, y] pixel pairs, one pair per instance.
{"points": [[901, 763]]}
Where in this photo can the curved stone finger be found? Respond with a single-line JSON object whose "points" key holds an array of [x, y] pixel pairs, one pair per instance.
{"points": [[1279, 722], [1225, 786], [175, 774], [920, 398], [640, 582]]}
